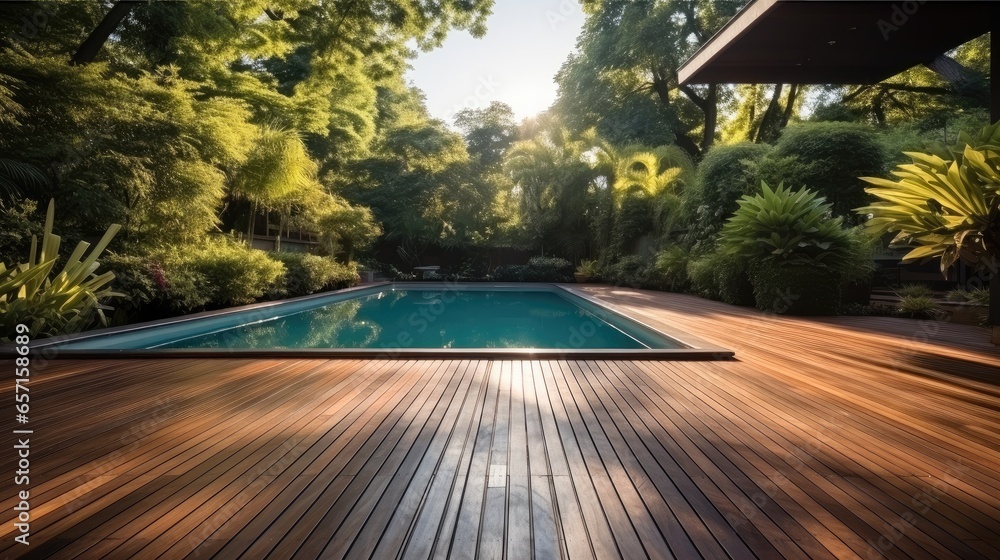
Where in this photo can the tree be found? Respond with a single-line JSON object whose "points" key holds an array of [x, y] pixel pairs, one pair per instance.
{"points": [[553, 188], [629, 54], [488, 132]]}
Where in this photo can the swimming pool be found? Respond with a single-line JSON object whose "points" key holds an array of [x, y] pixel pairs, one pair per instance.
{"points": [[399, 320]]}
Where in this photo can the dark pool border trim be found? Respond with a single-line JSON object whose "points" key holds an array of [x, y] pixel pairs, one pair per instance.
{"points": [[696, 348], [698, 354]]}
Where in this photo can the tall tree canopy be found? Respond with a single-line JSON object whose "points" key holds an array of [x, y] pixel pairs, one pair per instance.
{"points": [[624, 78]]}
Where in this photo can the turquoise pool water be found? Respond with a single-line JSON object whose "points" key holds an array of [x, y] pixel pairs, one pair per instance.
{"points": [[407, 318]]}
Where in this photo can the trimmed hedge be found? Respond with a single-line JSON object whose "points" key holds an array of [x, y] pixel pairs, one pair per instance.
{"points": [[538, 269], [307, 274], [832, 156]]}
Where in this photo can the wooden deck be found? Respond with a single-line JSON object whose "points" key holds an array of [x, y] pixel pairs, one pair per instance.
{"points": [[830, 438]]}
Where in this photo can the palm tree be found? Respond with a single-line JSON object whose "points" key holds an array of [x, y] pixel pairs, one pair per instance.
{"points": [[277, 167]]}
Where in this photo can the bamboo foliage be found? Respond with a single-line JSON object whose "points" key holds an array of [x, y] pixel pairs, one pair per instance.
{"points": [[67, 302]]}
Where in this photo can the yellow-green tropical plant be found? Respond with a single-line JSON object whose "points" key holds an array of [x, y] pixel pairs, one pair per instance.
{"points": [[69, 301], [587, 268], [946, 203]]}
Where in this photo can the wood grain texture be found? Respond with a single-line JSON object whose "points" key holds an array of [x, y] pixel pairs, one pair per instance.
{"points": [[825, 438]]}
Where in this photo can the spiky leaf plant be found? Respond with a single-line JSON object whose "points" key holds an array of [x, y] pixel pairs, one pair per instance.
{"points": [[946, 203], [787, 226], [69, 301]]}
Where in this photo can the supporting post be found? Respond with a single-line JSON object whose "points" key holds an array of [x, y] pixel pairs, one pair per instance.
{"points": [[994, 117]]}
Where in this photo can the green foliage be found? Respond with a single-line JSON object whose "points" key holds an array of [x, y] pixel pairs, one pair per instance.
{"points": [[945, 204], [724, 175], [732, 279], [913, 290], [976, 296], [834, 155], [488, 131], [701, 275], [51, 304], [17, 226], [588, 268], [229, 272], [538, 269], [276, 167], [306, 274], [918, 307], [785, 225], [553, 191], [794, 288], [633, 271], [671, 269], [623, 80], [796, 254]]}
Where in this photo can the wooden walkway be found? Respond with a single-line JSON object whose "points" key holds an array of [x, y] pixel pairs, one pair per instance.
{"points": [[830, 438]]}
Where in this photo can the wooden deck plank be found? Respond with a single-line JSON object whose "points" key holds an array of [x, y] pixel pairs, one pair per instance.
{"points": [[834, 437]]}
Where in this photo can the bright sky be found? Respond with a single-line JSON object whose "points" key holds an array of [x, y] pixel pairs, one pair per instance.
{"points": [[515, 62]]}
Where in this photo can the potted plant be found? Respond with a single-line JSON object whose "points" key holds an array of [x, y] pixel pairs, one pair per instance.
{"points": [[586, 271]]}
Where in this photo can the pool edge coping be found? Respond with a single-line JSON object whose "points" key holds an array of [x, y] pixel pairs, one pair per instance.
{"points": [[696, 348]]}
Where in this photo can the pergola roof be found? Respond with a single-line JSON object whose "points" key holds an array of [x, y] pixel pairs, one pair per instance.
{"points": [[827, 42]]}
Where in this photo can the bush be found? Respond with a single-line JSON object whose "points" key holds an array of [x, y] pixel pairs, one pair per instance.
{"points": [[724, 175], [141, 282], [799, 289], [977, 296], [538, 269], [670, 270], [918, 307], [834, 154], [307, 274], [701, 275], [719, 275], [732, 280], [232, 273], [795, 253], [913, 290], [633, 271]]}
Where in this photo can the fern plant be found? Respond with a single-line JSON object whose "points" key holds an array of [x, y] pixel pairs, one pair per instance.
{"points": [[69, 301]]}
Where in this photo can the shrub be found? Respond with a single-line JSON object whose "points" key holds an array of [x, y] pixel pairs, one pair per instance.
{"points": [[307, 274], [701, 275], [141, 285], [232, 273], [722, 276], [793, 250], [732, 280], [724, 175], [976, 296], [834, 154], [798, 289], [913, 290], [633, 271], [49, 305], [918, 307], [670, 270], [588, 268], [538, 269]]}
